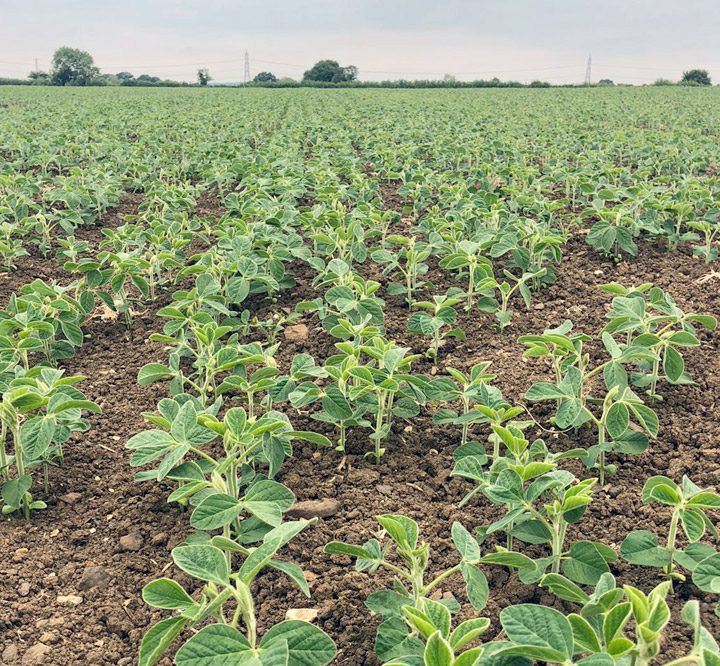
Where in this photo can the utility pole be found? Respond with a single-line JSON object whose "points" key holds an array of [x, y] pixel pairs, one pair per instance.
{"points": [[588, 71], [36, 67], [246, 75]]}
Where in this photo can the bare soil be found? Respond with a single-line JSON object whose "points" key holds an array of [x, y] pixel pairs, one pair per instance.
{"points": [[94, 502]]}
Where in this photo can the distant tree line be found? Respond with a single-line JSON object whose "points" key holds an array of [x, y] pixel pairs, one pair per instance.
{"points": [[74, 67]]}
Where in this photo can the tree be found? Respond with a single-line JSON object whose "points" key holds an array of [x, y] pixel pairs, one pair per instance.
{"points": [[350, 72], [124, 76], [264, 77], [331, 72], [698, 77], [146, 78], [39, 78], [606, 82], [73, 67], [203, 77]]}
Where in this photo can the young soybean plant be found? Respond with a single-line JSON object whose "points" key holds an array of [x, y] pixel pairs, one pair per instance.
{"points": [[223, 491], [541, 502], [610, 413], [226, 601], [444, 646], [409, 596], [39, 410], [468, 256], [506, 289], [689, 505], [647, 318], [388, 380], [408, 261], [709, 227], [213, 355], [336, 407], [436, 320], [481, 403], [599, 625]]}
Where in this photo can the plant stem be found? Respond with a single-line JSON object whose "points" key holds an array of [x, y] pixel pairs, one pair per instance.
{"points": [[672, 534], [601, 444], [441, 577], [466, 425]]}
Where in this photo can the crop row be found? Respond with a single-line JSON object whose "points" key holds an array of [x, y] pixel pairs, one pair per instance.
{"points": [[219, 440]]}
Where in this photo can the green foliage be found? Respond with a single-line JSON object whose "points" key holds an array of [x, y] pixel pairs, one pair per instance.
{"points": [[224, 611], [72, 67], [330, 71], [203, 77], [434, 320], [40, 409], [622, 421], [650, 330], [264, 77], [407, 609], [690, 504], [698, 77]]}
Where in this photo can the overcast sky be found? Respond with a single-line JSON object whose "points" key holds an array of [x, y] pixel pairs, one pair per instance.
{"points": [[633, 41]]}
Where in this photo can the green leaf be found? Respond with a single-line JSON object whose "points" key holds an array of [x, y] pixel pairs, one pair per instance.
{"points": [[166, 593], [205, 562], [707, 574], [267, 500], [158, 639], [387, 603], [704, 500], [336, 405], [646, 418], [294, 572], [307, 645], [439, 615], [617, 420], [149, 445], [649, 487], [309, 436], [476, 585], [468, 631], [641, 547], [693, 554], [402, 530], [153, 372], [394, 641], [583, 633], [673, 364], [586, 563], [438, 651], [564, 589], [36, 435], [539, 626], [568, 413], [465, 543], [340, 548], [508, 558], [544, 391], [215, 511], [215, 645], [693, 522], [615, 620], [14, 490]]}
